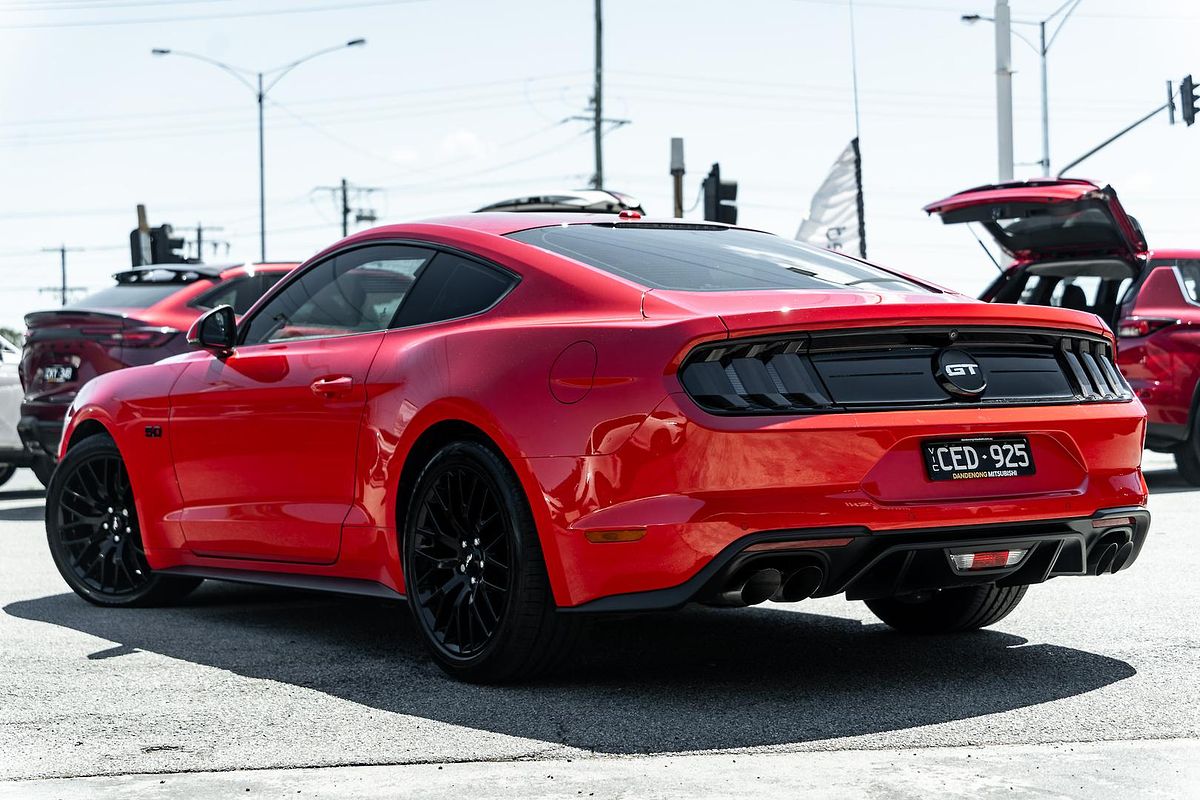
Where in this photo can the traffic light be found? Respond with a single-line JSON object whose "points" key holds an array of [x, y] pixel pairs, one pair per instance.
{"points": [[164, 246], [1187, 99], [720, 198]]}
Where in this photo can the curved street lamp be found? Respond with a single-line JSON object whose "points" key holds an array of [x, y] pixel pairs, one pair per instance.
{"points": [[272, 77], [1042, 48]]}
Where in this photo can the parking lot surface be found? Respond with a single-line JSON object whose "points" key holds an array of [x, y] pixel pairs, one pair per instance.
{"points": [[1091, 688]]}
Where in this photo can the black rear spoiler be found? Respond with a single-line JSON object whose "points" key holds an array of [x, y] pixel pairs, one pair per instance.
{"points": [[176, 273]]}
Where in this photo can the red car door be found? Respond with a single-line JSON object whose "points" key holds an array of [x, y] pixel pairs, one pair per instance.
{"points": [[264, 439]]}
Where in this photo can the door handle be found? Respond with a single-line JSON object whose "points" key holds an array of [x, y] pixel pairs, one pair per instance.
{"points": [[332, 386]]}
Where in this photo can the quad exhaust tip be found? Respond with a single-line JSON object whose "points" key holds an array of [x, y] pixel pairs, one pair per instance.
{"points": [[758, 586], [751, 589], [1111, 553], [800, 585]]}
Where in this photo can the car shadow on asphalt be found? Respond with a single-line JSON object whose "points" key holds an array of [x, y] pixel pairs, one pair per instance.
{"points": [[697, 679], [1166, 481]]}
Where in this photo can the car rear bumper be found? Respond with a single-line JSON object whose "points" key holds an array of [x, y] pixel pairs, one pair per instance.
{"points": [[695, 486], [864, 566], [42, 433]]}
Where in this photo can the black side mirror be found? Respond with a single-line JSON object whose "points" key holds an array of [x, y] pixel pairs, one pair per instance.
{"points": [[215, 330]]}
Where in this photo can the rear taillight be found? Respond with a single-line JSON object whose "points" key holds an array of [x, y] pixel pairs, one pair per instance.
{"points": [[993, 559], [1132, 327], [146, 337]]}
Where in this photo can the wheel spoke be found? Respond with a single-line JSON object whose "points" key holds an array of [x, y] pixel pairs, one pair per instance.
{"points": [[102, 545], [459, 553]]}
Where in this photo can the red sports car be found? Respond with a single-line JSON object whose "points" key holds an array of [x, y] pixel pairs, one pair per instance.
{"points": [[139, 320], [1074, 246], [515, 420]]}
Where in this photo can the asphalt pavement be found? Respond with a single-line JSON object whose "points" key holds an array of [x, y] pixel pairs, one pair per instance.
{"points": [[1089, 689]]}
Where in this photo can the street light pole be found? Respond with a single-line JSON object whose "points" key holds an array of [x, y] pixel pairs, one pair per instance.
{"points": [[1045, 104], [262, 178], [260, 95], [1002, 20], [1004, 125]]}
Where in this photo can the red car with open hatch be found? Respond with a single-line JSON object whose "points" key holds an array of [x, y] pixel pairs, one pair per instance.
{"points": [[518, 420], [1074, 246]]}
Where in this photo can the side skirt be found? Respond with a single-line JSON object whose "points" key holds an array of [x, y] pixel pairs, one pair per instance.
{"points": [[311, 583]]}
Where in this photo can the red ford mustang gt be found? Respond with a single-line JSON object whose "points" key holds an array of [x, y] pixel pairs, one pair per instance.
{"points": [[514, 420]]}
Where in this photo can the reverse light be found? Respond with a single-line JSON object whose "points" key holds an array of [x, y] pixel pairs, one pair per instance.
{"points": [[992, 559], [1132, 327]]}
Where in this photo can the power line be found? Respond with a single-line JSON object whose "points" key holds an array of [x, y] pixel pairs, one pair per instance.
{"points": [[235, 15]]}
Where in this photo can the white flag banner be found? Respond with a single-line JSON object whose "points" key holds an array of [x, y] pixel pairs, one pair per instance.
{"points": [[833, 218]]}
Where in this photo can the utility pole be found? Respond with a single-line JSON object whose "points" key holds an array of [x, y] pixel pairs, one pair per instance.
{"points": [[345, 210], [596, 118], [342, 194], [63, 289], [200, 229], [597, 100], [1004, 112], [677, 174]]}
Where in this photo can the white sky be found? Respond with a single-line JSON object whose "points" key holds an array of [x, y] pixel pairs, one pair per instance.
{"points": [[456, 103]]}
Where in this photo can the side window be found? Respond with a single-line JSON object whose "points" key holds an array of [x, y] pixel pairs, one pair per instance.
{"points": [[239, 293], [1190, 272], [453, 287], [223, 294], [353, 292]]}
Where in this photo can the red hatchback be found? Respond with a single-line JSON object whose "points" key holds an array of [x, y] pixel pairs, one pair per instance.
{"points": [[1074, 246], [515, 420], [138, 321]]}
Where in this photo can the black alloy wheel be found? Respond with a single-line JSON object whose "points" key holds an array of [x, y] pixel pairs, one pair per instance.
{"points": [[92, 530], [462, 559], [474, 572]]}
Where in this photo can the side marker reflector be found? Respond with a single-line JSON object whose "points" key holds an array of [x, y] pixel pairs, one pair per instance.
{"points": [[601, 537]]}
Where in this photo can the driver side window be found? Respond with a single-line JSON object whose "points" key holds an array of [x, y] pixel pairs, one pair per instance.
{"points": [[353, 292]]}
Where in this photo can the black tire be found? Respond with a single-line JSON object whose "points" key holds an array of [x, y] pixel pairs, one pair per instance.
{"points": [[1187, 459], [92, 530], [474, 571], [6, 472], [948, 610], [43, 468]]}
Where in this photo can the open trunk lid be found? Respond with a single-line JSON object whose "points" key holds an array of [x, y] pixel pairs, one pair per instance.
{"points": [[1047, 219]]}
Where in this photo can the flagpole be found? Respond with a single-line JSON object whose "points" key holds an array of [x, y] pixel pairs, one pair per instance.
{"points": [[862, 222]]}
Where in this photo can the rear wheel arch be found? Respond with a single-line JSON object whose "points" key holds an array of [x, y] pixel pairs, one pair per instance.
{"points": [[431, 440], [445, 431]]}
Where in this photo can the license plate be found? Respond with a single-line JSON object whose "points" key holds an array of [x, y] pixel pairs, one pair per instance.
{"points": [[962, 459], [58, 373]]}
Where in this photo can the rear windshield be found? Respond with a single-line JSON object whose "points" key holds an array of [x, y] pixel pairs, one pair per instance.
{"points": [[697, 258], [140, 295]]}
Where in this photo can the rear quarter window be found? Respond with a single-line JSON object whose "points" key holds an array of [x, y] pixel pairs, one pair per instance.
{"points": [[1189, 271]]}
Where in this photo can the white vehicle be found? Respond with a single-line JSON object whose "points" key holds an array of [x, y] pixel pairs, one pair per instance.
{"points": [[12, 451]]}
